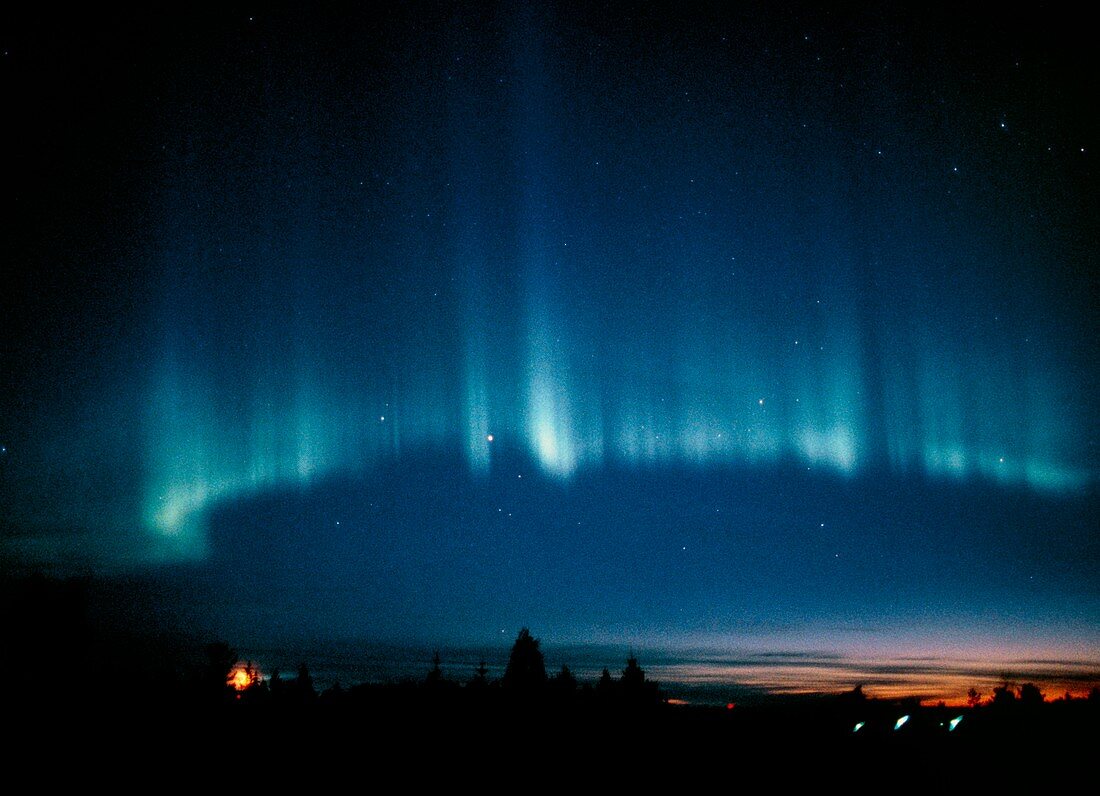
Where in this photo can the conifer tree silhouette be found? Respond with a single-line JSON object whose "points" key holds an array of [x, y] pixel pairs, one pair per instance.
{"points": [[526, 669]]}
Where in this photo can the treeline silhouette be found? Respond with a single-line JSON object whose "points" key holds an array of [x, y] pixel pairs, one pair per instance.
{"points": [[524, 684], [57, 663]]}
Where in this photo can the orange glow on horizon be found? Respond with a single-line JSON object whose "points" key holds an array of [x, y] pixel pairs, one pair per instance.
{"points": [[930, 679]]}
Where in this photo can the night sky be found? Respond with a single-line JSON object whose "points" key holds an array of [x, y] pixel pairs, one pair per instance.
{"points": [[725, 327]]}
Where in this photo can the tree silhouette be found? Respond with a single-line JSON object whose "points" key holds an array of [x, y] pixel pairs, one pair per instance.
{"points": [[276, 686], [605, 687], [564, 681], [1030, 694], [220, 660], [481, 676], [303, 686], [526, 669], [1003, 695], [634, 685], [435, 676], [633, 676], [973, 697]]}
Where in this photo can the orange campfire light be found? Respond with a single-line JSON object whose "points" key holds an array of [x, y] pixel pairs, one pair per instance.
{"points": [[241, 677]]}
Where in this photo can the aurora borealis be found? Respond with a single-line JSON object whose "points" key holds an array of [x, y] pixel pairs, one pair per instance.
{"points": [[700, 299]]}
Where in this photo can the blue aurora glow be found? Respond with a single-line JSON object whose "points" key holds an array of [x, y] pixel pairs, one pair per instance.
{"points": [[628, 243], [517, 262], [740, 384]]}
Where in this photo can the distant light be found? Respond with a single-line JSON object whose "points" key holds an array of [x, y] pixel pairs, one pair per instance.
{"points": [[241, 677], [488, 437], [382, 419], [954, 723], [859, 726], [730, 705], [901, 722], [761, 402]]}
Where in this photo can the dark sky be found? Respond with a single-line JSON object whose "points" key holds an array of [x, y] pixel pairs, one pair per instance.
{"points": [[672, 326]]}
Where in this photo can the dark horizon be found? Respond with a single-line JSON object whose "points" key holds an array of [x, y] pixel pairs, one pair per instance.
{"points": [[92, 632], [700, 677]]}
